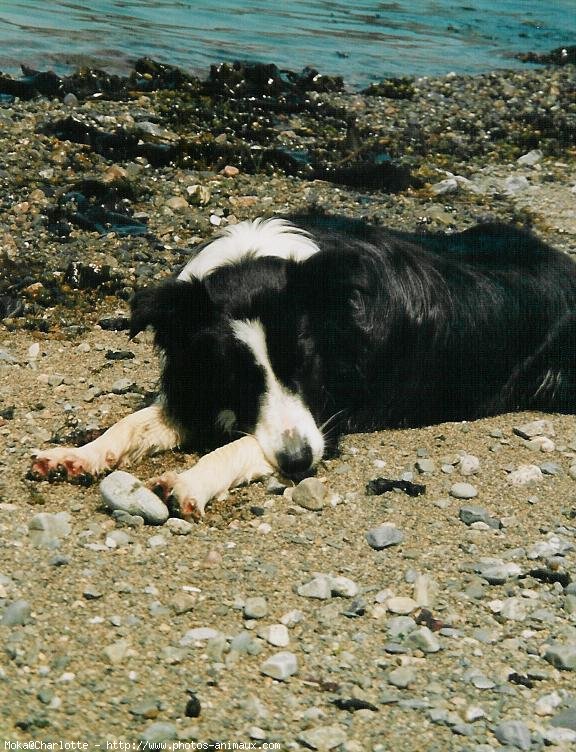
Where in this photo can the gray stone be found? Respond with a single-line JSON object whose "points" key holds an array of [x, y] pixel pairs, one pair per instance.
{"points": [[117, 651], [383, 536], [280, 665], [469, 464], [159, 732], [560, 737], [543, 427], [343, 586], [255, 607], [463, 490], [310, 494], [319, 587], [514, 733], [565, 719], [530, 158], [562, 656], [551, 468], [199, 634], [516, 184], [122, 491], [471, 513], [123, 386], [425, 466], [400, 626], [402, 677], [275, 634], [323, 738], [524, 475], [422, 638], [16, 614], [178, 526], [496, 571], [47, 529]]}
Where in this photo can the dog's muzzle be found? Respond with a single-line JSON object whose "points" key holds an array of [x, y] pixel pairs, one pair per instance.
{"points": [[295, 458]]}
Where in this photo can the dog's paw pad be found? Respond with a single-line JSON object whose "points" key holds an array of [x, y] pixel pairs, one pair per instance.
{"points": [[63, 464]]}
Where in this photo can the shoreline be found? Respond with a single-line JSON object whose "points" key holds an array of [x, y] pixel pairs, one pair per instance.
{"points": [[99, 646]]}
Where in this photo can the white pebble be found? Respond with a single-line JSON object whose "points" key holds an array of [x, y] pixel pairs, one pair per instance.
{"points": [[524, 475], [280, 665], [123, 491]]}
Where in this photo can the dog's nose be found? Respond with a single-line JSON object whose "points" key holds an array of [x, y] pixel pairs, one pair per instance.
{"points": [[295, 457]]}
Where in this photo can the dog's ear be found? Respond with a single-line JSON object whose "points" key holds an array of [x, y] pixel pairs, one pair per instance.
{"points": [[175, 309]]}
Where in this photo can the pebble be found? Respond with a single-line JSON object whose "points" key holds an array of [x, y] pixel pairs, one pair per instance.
{"points": [[255, 607], [159, 732], [471, 513], [402, 677], [425, 466], [117, 651], [543, 427], [275, 634], [401, 605], [514, 733], [178, 526], [157, 541], [422, 638], [323, 738], [400, 626], [463, 491], [199, 195], [515, 184], [183, 603], [16, 614], [384, 536], [524, 475], [562, 656], [497, 571], [469, 465], [199, 634], [319, 587], [123, 386], [47, 529], [565, 719], [123, 491], [310, 494], [530, 158], [280, 665]]}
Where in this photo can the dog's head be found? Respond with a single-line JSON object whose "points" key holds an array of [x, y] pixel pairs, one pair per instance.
{"points": [[233, 367]]}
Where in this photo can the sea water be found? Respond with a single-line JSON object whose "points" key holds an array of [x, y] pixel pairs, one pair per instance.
{"points": [[363, 41]]}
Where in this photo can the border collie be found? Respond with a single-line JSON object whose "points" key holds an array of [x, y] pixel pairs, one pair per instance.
{"points": [[294, 331]]}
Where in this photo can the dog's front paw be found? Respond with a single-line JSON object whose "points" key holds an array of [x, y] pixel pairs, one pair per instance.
{"points": [[178, 496], [64, 464]]}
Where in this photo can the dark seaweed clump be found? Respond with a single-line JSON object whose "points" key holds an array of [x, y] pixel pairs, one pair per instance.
{"points": [[239, 115]]}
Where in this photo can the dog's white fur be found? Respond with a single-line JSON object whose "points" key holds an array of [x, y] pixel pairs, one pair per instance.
{"points": [[257, 238]]}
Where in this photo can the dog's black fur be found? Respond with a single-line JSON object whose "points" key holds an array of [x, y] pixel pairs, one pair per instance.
{"points": [[379, 329]]}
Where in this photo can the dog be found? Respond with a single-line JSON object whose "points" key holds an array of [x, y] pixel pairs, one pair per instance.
{"points": [[296, 330]]}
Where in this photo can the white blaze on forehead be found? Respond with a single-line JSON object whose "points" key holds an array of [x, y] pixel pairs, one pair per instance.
{"points": [[282, 412], [257, 238]]}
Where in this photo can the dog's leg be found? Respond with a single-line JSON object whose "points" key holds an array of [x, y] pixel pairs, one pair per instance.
{"points": [[213, 476], [144, 432]]}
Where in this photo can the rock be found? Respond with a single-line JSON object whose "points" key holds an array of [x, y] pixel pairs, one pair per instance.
{"points": [[319, 587], [562, 656], [123, 491], [561, 737], [450, 185], [425, 590], [47, 529], [159, 732], [401, 605], [123, 386], [497, 571], [542, 444], [17, 614], [177, 203], [463, 491], [516, 184], [157, 541], [384, 536], [565, 719], [117, 651], [323, 738], [343, 587], [542, 427], [514, 733], [531, 158], [70, 100], [199, 195], [183, 603], [471, 513], [255, 607], [469, 465], [524, 475], [291, 618], [178, 526], [280, 665], [229, 171], [547, 704], [275, 634], [425, 466], [422, 638], [310, 494], [514, 609], [400, 626], [402, 677], [199, 634]]}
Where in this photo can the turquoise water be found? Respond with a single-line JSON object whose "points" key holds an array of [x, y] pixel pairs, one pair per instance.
{"points": [[363, 41]]}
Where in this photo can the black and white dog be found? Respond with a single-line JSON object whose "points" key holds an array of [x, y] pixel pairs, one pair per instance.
{"points": [[295, 331]]}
